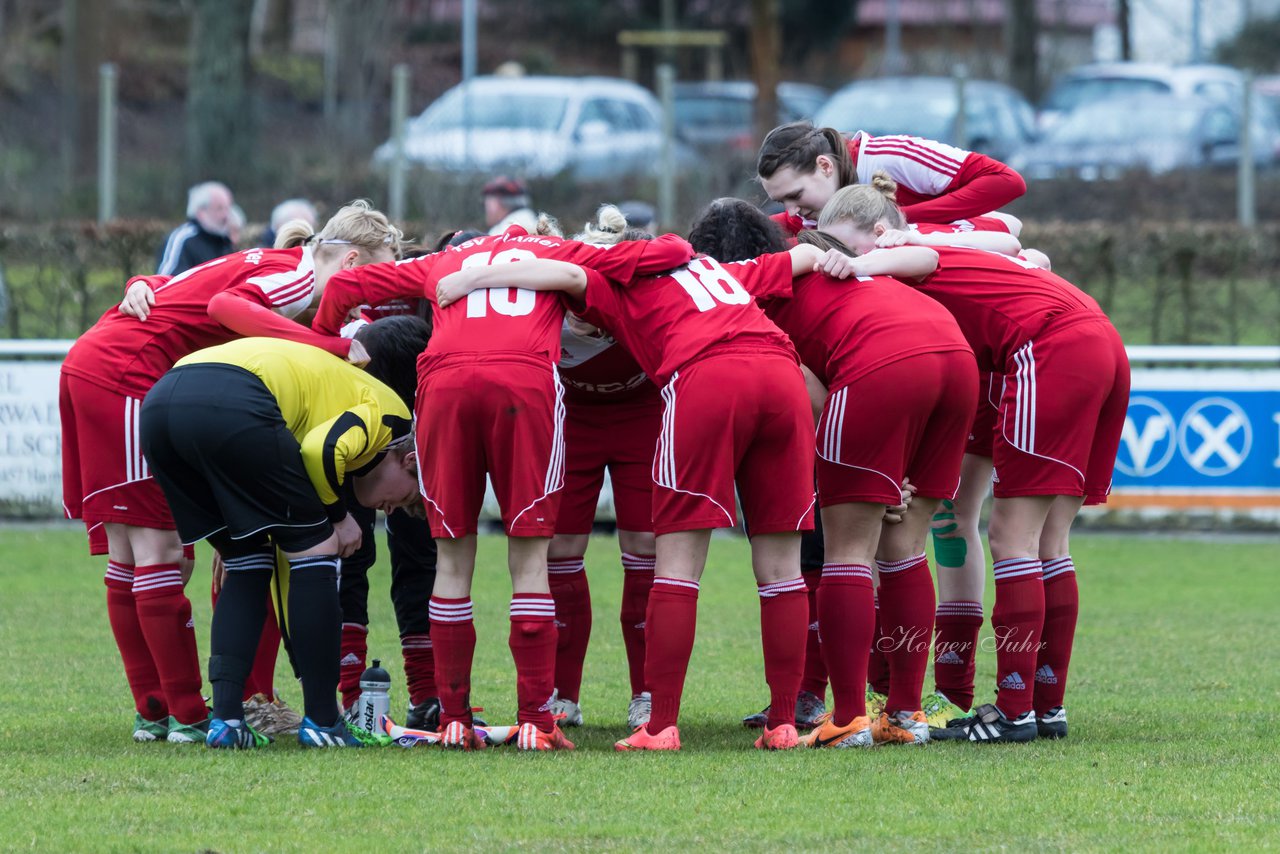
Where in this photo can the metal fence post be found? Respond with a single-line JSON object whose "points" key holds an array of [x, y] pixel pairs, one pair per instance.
{"points": [[1246, 173], [107, 79], [667, 170], [399, 114], [961, 73]]}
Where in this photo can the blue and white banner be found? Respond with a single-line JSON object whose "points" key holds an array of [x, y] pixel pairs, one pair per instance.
{"points": [[1202, 433]]}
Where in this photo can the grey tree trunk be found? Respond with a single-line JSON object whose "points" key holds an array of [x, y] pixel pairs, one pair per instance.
{"points": [[1022, 33], [766, 52], [220, 122]]}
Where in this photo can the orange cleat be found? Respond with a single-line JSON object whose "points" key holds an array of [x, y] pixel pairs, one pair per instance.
{"points": [[901, 728], [529, 737], [668, 739], [856, 733], [781, 737], [459, 736]]}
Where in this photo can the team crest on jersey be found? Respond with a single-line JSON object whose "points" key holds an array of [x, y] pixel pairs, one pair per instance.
{"points": [[253, 256]]}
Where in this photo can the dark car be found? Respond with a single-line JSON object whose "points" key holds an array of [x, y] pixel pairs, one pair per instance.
{"points": [[721, 115], [1154, 132], [997, 119]]}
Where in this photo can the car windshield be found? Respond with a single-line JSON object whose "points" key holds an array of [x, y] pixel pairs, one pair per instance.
{"points": [[713, 111], [1125, 121], [883, 111], [489, 109], [1070, 94]]}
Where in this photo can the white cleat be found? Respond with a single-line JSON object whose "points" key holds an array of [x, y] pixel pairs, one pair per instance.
{"points": [[566, 712], [639, 711]]}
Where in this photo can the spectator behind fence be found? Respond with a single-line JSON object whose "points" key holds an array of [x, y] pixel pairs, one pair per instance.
{"points": [[289, 209], [506, 203], [206, 233]]}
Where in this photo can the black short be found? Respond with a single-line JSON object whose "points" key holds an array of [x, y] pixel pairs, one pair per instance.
{"points": [[216, 443]]}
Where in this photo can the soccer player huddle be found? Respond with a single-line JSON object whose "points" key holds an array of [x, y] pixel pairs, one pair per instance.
{"points": [[886, 340]]}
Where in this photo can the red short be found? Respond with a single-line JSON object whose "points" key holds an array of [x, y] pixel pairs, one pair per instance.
{"points": [[617, 436], [983, 431], [1062, 412], [494, 415], [906, 419], [743, 417], [105, 478]]}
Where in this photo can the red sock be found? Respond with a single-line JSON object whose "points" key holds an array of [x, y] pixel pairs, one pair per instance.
{"points": [[419, 667], [1061, 607], [354, 651], [572, 595], [262, 678], [139, 669], [453, 637], [670, 624], [906, 591], [955, 650], [164, 612], [877, 661], [533, 646], [784, 626], [846, 613], [1017, 621], [815, 669], [637, 579]]}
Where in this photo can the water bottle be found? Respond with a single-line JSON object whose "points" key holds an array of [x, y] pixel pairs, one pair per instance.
{"points": [[375, 698]]}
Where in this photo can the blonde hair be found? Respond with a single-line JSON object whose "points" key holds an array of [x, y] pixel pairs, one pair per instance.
{"points": [[608, 229], [823, 241], [864, 205], [356, 224], [548, 226]]}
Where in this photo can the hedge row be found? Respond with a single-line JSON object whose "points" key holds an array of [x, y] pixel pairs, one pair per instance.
{"points": [[1162, 283]]}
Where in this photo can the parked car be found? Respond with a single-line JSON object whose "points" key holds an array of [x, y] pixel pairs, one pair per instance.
{"points": [[720, 115], [1101, 81], [998, 120], [1155, 132], [593, 128]]}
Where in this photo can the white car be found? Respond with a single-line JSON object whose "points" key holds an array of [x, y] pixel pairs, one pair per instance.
{"points": [[1102, 81], [592, 128]]}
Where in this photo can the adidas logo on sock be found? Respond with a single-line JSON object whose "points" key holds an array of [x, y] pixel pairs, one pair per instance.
{"points": [[949, 657], [560, 624], [813, 627], [640, 625], [349, 659], [191, 623], [1013, 682], [1046, 676]]}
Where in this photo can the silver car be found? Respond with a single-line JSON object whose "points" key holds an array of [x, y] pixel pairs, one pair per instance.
{"points": [[590, 128]]}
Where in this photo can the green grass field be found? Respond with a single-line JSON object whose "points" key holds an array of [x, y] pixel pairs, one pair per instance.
{"points": [[1173, 741]]}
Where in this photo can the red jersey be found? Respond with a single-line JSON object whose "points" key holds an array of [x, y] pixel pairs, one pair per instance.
{"points": [[936, 182], [497, 320], [596, 370], [1001, 302], [669, 320], [845, 329], [962, 226], [234, 296]]}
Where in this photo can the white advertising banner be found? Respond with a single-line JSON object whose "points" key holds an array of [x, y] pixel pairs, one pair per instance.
{"points": [[30, 440]]}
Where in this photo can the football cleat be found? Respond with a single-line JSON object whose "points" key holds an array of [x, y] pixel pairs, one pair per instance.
{"points": [[988, 724], [145, 730], [1052, 724], [529, 737], [875, 702], [900, 728], [567, 712], [187, 733], [341, 734], [240, 736], [809, 708], [781, 737], [425, 715], [639, 710], [668, 739], [271, 717], [458, 736], [939, 711], [856, 733]]}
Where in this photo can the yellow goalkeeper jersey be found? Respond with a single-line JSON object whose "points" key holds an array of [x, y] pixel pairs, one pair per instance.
{"points": [[342, 417]]}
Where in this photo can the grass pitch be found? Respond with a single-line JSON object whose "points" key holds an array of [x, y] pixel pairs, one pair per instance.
{"points": [[1173, 733]]}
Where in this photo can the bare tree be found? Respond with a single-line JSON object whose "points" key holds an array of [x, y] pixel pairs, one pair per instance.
{"points": [[220, 124], [1021, 34], [766, 50], [1126, 30]]}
